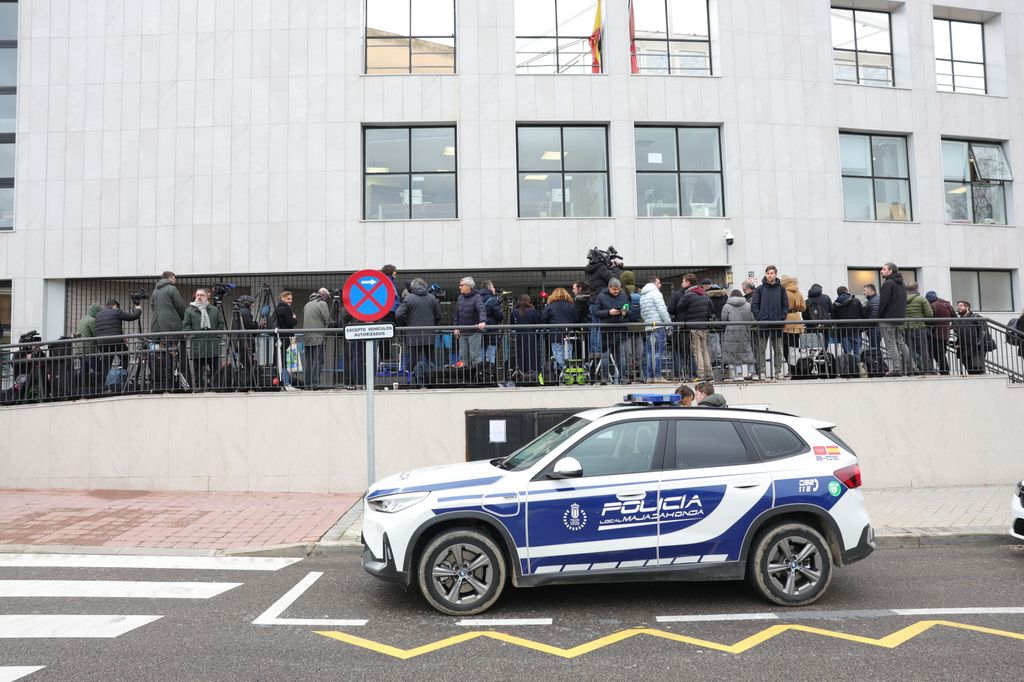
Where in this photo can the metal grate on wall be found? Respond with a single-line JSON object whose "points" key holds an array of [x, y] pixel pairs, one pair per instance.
{"points": [[81, 293]]}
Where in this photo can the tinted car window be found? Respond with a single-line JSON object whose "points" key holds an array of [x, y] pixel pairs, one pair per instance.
{"points": [[774, 441], [708, 443], [623, 448]]}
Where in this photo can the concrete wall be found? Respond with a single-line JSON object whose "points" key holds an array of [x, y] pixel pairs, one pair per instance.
{"points": [[916, 432]]}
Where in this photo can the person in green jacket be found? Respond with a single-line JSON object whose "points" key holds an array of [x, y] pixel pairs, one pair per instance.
{"points": [[205, 350], [167, 305], [917, 332], [315, 315], [87, 332]]}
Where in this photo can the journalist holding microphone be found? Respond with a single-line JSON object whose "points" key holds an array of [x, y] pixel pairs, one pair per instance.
{"points": [[613, 307]]}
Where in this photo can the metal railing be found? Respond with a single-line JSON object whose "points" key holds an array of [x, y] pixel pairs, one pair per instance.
{"points": [[503, 356]]}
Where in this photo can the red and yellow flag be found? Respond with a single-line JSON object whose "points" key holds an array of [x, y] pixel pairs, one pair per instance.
{"points": [[595, 41]]}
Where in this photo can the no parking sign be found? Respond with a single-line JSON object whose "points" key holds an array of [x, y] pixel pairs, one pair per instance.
{"points": [[368, 295]]}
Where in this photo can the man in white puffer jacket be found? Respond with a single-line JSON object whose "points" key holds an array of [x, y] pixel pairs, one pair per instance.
{"points": [[654, 312]]}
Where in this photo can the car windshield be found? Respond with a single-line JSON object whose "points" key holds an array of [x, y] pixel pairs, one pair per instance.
{"points": [[529, 454]]}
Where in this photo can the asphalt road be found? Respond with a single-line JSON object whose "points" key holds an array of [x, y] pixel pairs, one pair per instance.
{"points": [[214, 638]]}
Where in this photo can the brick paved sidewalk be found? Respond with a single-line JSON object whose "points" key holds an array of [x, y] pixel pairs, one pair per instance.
{"points": [[938, 511], [177, 520]]}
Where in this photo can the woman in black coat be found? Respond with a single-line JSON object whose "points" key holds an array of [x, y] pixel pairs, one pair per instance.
{"points": [[527, 341], [560, 309]]}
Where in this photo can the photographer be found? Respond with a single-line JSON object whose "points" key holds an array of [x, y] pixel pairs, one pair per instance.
{"points": [[613, 307], [201, 316], [315, 315], [168, 306], [602, 267], [110, 323]]}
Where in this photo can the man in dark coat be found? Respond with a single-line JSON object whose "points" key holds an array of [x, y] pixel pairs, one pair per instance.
{"points": [[941, 308], [612, 307], [110, 322], [419, 309], [892, 304], [769, 304], [470, 311], [847, 307], [168, 306], [693, 307], [495, 316], [284, 319], [971, 333]]}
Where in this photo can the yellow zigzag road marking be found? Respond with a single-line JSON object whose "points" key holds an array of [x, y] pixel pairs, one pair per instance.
{"points": [[888, 642]]}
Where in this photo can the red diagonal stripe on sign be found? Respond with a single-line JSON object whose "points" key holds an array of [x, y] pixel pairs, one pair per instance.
{"points": [[367, 293]]}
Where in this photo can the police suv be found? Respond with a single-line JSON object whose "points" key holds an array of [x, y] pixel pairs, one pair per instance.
{"points": [[640, 491]]}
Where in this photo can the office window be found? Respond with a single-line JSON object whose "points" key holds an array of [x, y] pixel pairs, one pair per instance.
{"points": [[409, 173], [959, 56], [974, 174], [670, 37], [678, 172], [857, 278], [988, 290], [410, 36], [563, 171], [559, 36], [8, 107], [862, 47], [876, 177]]}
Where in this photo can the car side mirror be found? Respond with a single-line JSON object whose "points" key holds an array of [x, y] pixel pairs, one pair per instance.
{"points": [[567, 467]]}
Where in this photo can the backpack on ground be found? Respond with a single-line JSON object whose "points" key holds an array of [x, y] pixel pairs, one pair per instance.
{"points": [[874, 362], [846, 366]]}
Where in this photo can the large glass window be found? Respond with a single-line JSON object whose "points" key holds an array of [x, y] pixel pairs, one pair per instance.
{"points": [[559, 36], [623, 448], [670, 37], [856, 278], [974, 173], [8, 108], [409, 173], [410, 36], [988, 290], [862, 47], [876, 177], [959, 56], [563, 171], [678, 172], [708, 443]]}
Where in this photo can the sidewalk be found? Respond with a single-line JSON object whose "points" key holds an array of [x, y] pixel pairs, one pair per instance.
{"points": [[297, 524]]}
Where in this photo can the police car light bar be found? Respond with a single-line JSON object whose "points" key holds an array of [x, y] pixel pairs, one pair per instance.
{"points": [[651, 399]]}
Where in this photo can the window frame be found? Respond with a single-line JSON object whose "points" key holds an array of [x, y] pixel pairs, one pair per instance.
{"points": [[11, 138], [679, 172], [561, 171], [978, 305], [668, 41], [874, 204], [752, 456], [971, 182], [748, 426], [409, 173], [657, 458], [558, 39], [411, 37], [953, 60], [857, 51]]}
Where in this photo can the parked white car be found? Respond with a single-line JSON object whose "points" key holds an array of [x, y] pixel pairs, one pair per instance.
{"points": [[1017, 509]]}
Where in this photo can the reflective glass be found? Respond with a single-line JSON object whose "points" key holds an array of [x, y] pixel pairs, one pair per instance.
{"points": [[964, 287], [586, 195], [842, 29], [968, 41], [892, 200], [387, 197], [657, 194], [576, 17], [535, 18], [857, 199], [433, 149], [540, 195], [433, 196], [649, 19], [688, 18], [955, 164], [691, 59], [539, 148], [698, 149], [655, 149], [652, 56], [873, 31], [702, 194], [432, 17], [990, 162], [890, 156], [940, 33], [7, 208], [8, 21], [536, 55], [944, 75], [708, 443], [387, 150], [7, 160], [8, 67], [969, 84], [575, 56], [844, 66], [434, 55], [989, 203], [585, 149], [875, 69], [996, 290], [388, 17], [390, 55], [855, 154], [958, 203], [8, 110]]}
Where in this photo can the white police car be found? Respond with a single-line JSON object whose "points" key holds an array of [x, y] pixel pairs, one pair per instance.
{"points": [[628, 493], [1017, 509]]}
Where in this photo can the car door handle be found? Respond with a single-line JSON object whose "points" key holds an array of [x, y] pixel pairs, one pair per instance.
{"points": [[628, 495], [745, 486]]}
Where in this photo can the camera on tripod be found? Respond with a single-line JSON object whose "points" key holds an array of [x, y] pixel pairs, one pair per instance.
{"points": [[138, 295], [596, 255], [221, 290], [30, 337]]}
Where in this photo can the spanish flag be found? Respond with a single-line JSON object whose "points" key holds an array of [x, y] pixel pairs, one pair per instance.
{"points": [[595, 41], [633, 66]]}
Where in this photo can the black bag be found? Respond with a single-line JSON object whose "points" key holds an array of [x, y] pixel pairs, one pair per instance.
{"points": [[990, 343], [1013, 337], [817, 310], [846, 366], [804, 369], [874, 362]]}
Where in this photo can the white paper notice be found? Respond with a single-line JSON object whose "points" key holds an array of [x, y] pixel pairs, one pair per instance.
{"points": [[497, 431], [653, 157]]}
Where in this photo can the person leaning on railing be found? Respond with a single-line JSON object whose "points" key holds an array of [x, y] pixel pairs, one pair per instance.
{"points": [[205, 350], [419, 309]]}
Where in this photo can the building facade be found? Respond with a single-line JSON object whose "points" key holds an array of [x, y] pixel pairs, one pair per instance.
{"points": [[306, 139]]}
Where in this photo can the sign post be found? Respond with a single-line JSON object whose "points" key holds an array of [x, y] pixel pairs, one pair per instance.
{"points": [[368, 296]]}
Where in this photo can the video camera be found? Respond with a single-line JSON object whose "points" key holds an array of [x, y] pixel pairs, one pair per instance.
{"points": [[221, 290], [138, 295], [596, 255], [30, 337], [438, 292]]}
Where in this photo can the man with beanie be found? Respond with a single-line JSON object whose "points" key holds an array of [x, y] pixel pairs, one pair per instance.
{"points": [[892, 305], [943, 310], [847, 307], [316, 314]]}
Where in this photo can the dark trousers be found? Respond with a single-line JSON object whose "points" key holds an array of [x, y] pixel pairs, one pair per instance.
{"points": [[937, 347], [314, 365]]}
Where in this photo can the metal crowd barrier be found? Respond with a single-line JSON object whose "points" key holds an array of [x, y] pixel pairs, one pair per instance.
{"points": [[507, 355]]}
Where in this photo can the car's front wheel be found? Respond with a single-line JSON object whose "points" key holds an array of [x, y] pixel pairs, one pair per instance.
{"points": [[462, 572], [791, 565]]}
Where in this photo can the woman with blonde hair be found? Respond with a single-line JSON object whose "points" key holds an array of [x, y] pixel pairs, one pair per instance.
{"points": [[560, 309], [791, 332]]}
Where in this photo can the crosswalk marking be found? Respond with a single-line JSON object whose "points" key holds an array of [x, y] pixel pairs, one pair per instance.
{"points": [[114, 589], [67, 626], [220, 563], [10, 673], [271, 615]]}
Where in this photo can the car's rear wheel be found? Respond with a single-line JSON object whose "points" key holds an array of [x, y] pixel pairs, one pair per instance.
{"points": [[791, 564], [461, 572]]}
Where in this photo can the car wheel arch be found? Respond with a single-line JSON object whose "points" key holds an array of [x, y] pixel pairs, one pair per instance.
{"points": [[439, 524], [816, 517]]}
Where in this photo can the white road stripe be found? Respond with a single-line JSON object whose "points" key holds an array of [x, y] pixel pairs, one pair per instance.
{"points": [[197, 563], [113, 589], [32, 626], [976, 610], [271, 615], [499, 622], [717, 617], [16, 672]]}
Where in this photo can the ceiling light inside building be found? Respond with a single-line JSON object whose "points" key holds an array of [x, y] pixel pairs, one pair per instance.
{"points": [[550, 156], [535, 177], [448, 151], [377, 169]]}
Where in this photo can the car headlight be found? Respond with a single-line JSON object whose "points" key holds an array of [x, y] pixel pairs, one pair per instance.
{"points": [[389, 504]]}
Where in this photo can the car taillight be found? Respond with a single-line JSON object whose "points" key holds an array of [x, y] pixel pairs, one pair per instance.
{"points": [[849, 476]]}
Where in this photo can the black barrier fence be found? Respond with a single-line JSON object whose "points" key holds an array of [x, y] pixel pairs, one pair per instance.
{"points": [[505, 356]]}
